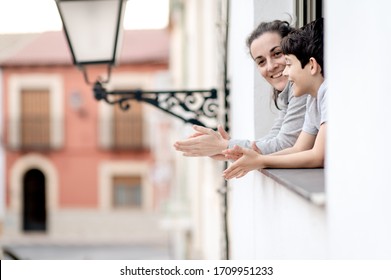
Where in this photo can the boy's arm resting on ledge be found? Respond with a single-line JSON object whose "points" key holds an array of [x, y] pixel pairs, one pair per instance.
{"points": [[307, 153], [310, 158], [304, 142]]}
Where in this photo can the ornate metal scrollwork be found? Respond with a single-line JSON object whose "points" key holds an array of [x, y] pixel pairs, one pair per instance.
{"points": [[192, 106]]}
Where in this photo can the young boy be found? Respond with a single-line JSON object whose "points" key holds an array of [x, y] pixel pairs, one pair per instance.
{"points": [[303, 51]]}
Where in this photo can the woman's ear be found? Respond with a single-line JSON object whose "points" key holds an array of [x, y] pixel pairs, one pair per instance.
{"points": [[314, 66]]}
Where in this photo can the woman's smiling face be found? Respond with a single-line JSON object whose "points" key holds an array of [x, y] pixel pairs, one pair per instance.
{"points": [[267, 54]]}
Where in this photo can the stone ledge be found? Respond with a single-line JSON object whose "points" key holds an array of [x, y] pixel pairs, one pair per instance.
{"points": [[308, 183]]}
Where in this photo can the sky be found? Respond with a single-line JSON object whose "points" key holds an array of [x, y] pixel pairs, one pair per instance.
{"points": [[25, 16]]}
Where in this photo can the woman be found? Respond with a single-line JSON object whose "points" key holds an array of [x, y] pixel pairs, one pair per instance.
{"points": [[264, 45]]}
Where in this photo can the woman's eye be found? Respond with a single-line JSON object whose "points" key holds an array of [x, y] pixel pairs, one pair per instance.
{"points": [[261, 62], [278, 54]]}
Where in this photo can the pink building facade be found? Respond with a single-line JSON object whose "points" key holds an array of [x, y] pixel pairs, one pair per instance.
{"points": [[75, 167]]}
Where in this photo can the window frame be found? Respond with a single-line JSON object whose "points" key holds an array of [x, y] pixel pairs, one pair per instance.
{"points": [[307, 11], [108, 169], [54, 84]]}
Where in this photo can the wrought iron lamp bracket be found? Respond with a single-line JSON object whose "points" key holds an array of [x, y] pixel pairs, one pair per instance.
{"points": [[199, 107]]}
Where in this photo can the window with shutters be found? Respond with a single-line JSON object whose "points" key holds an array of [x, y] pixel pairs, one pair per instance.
{"points": [[35, 119], [128, 127]]}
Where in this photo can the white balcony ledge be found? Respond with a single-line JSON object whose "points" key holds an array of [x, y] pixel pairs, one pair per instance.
{"points": [[308, 183]]}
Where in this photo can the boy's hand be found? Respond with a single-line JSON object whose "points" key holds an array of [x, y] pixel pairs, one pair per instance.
{"points": [[250, 160], [233, 154]]}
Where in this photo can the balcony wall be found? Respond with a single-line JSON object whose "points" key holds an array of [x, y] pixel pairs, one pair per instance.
{"points": [[269, 220]]}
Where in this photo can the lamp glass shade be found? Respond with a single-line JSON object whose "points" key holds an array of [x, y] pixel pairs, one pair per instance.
{"points": [[93, 29]]}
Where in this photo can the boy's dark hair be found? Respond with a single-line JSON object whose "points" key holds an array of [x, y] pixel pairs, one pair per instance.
{"points": [[305, 43]]}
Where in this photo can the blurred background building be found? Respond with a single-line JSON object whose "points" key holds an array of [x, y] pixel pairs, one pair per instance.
{"points": [[75, 168], [81, 172]]}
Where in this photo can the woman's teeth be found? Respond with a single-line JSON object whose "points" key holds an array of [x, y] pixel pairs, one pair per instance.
{"points": [[277, 75]]}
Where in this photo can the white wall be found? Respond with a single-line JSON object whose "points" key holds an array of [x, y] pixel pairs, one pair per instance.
{"points": [[359, 130], [242, 123], [251, 115], [286, 225], [356, 222]]}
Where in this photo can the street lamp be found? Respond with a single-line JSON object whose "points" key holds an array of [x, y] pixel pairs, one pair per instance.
{"points": [[93, 30]]}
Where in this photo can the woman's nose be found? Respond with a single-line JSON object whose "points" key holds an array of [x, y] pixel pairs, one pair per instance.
{"points": [[271, 64]]}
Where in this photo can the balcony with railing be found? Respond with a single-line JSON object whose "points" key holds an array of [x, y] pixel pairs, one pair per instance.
{"points": [[31, 132]]}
